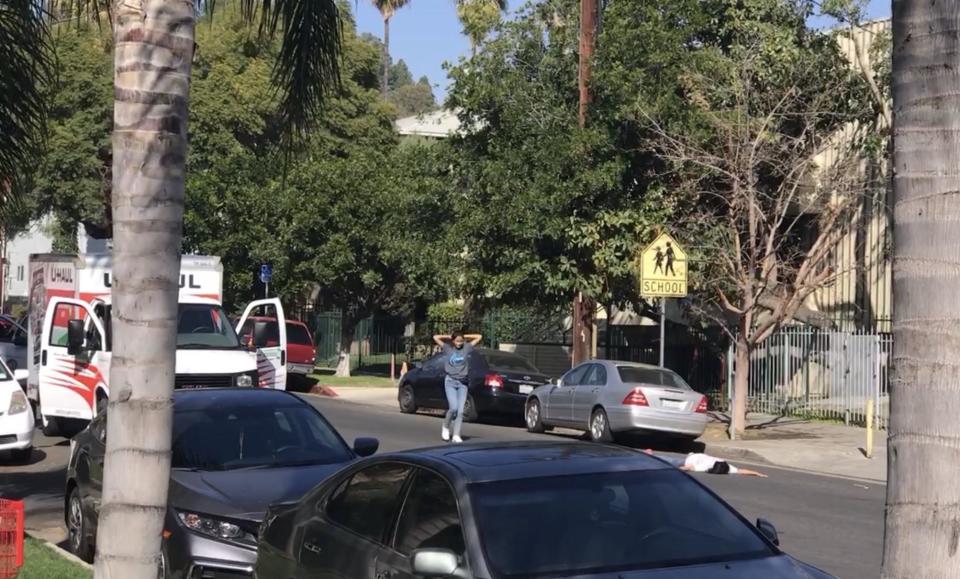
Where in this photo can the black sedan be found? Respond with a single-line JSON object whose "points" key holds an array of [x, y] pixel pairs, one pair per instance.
{"points": [[499, 383], [520, 510], [235, 451]]}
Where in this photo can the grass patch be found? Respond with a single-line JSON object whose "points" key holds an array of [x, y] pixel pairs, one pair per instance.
{"points": [[360, 381], [41, 562]]}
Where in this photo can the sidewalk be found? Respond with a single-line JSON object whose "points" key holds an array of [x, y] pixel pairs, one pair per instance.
{"points": [[819, 447], [801, 444]]}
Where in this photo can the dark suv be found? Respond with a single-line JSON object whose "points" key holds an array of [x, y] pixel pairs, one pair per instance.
{"points": [[235, 452], [499, 383]]}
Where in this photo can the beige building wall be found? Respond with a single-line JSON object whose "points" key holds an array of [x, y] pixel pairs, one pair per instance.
{"points": [[860, 296]]}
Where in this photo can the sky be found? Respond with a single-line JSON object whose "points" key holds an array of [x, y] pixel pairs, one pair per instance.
{"points": [[426, 33]]}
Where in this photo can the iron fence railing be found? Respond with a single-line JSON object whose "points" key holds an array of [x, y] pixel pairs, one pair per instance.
{"points": [[804, 372]]}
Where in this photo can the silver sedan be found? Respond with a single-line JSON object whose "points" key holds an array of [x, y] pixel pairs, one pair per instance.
{"points": [[605, 397]]}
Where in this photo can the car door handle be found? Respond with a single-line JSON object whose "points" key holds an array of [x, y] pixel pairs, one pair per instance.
{"points": [[313, 548]]}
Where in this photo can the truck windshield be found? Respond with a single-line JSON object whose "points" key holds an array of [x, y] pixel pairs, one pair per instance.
{"points": [[204, 326]]}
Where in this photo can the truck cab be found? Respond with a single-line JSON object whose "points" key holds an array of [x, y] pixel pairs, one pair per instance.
{"points": [[77, 345]]}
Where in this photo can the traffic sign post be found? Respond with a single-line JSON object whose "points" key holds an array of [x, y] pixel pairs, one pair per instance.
{"points": [[266, 276], [663, 274]]}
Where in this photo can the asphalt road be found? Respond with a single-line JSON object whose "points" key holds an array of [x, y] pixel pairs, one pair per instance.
{"points": [[833, 523]]}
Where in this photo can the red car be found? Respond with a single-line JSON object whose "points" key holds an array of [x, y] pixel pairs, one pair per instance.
{"points": [[301, 352]]}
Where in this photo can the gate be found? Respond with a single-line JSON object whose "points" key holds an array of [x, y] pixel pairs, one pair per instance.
{"points": [[804, 372]]}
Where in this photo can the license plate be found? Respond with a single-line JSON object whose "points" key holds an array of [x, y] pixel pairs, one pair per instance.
{"points": [[526, 389], [674, 404]]}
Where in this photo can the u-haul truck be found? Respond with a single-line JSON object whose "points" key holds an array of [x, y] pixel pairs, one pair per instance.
{"points": [[70, 337]]}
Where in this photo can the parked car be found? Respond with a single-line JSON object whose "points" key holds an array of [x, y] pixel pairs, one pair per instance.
{"points": [[13, 343], [499, 383], [301, 351], [530, 509], [16, 416], [605, 397], [235, 451]]}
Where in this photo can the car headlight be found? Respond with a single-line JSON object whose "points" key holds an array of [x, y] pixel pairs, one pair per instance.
{"points": [[18, 403], [216, 528], [245, 381]]}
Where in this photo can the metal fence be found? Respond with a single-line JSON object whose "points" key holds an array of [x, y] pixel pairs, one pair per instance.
{"points": [[801, 371]]}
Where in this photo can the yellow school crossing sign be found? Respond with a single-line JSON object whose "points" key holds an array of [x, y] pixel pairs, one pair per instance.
{"points": [[663, 269]]}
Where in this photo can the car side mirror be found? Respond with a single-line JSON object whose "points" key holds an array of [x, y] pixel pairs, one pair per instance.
{"points": [[21, 376], [437, 563], [74, 337], [260, 334], [768, 531], [365, 446]]}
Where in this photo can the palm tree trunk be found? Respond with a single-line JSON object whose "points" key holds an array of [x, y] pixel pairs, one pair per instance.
{"points": [[385, 83], [922, 537], [154, 42]]}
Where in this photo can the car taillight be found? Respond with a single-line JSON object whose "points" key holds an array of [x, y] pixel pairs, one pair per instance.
{"points": [[493, 380], [636, 398], [702, 407]]}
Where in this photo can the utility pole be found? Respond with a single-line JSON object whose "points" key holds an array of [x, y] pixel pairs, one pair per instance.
{"points": [[584, 308]]}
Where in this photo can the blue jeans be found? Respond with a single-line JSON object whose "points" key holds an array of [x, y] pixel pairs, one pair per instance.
{"points": [[456, 397]]}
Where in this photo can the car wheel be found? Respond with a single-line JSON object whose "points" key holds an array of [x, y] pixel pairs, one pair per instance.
{"points": [[77, 528], [600, 426], [470, 413], [534, 417], [51, 427], [407, 399]]}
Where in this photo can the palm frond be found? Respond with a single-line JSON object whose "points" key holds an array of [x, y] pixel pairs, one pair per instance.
{"points": [[308, 65], [26, 63]]}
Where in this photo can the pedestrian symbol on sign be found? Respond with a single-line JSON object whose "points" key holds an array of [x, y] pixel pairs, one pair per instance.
{"points": [[663, 269]]}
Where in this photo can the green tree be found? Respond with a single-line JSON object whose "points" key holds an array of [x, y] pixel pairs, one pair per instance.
{"points": [[25, 67], [545, 208], [387, 10], [479, 18], [73, 177]]}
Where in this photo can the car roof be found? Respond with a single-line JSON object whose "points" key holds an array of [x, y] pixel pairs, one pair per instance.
{"points": [[207, 398], [490, 462]]}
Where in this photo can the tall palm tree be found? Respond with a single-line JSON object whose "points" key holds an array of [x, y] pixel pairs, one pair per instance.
{"points": [[923, 497], [387, 9], [478, 18], [24, 66], [154, 48]]}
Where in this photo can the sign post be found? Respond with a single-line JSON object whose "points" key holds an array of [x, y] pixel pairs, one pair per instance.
{"points": [[663, 274], [266, 276]]}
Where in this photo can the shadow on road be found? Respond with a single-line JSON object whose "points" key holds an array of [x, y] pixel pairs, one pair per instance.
{"points": [[6, 458]]}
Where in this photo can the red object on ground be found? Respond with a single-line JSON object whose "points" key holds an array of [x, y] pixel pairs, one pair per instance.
{"points": [[11, 538]]}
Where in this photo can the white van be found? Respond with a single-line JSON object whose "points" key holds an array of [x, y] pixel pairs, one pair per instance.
{"points": [[71, 344]]}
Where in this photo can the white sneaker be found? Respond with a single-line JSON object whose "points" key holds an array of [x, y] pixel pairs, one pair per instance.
{"points": [[457, 440], [445, 434]]}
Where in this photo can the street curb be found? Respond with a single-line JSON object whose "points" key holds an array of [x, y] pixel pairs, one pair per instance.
{"points": [[60, 551], [735, 453]]}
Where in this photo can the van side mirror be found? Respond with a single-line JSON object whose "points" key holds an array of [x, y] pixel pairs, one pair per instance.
{"points": [[261, 334], [768, 531], [437, 563], [74, 337]]}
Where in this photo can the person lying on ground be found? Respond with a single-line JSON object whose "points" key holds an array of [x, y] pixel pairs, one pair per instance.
{"points": [[699, 462]]}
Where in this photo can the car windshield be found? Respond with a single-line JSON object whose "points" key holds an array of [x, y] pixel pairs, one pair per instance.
{"points": [[254, 437], [509, 363], [204, 326], [652, 376], [602, 523], [297, 334]]}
